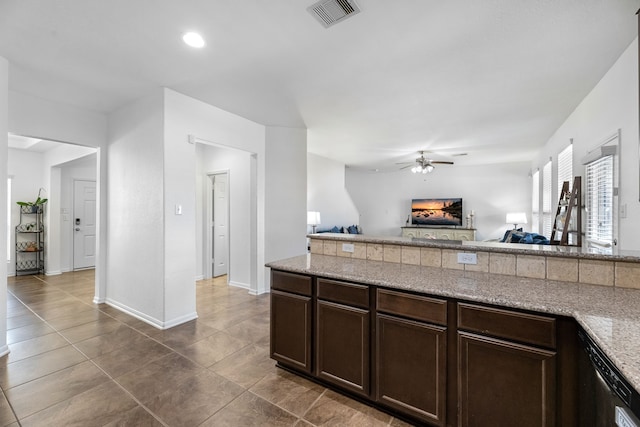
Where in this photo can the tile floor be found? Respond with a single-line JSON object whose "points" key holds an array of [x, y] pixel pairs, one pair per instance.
{"points": [[74, 363]]}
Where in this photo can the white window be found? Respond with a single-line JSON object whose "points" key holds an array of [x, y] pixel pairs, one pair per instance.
{"points": [[601, 195], [9, 219], [565, 167], [535, 202], [600, 201], [546, 200]]}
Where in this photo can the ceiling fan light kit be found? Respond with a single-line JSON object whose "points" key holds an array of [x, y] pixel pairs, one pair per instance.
{"points": [[425, 165]]}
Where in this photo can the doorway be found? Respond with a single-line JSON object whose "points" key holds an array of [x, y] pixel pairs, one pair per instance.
{"points": [[84, 225], [218, 224]]}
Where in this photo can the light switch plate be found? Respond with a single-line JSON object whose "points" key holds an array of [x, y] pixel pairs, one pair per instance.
{"points": [[347, 247], [467, 258], [178, 209]]}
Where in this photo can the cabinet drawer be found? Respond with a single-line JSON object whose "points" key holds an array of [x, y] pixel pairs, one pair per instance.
{"points": [[526, 328], [345, 293], [289, 282], [412, 306]]}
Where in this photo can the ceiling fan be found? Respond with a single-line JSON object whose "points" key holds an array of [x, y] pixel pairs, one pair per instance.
{"points": [[425, 165]]}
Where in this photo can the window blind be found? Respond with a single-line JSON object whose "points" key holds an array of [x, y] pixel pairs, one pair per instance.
{"points": [[565, 167], [546, 200], [599, 201], [535, 202]]}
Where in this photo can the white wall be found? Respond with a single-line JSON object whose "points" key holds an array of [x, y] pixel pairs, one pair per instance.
{"points": [[327, 194], [4, 130], [237, 164], [136, 210], [286, 198], [611, 105], [384, 199]]}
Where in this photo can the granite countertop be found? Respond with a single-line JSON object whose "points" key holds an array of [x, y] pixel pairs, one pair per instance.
{"points": [[608, 254], [610, 315]]}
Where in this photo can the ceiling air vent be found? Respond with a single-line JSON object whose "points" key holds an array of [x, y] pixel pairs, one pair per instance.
{"points": [[330, 12]]}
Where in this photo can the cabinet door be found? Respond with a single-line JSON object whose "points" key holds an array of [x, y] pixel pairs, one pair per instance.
{"points": [[505, 384], [411, 367], [291, 330], [342, 346]]}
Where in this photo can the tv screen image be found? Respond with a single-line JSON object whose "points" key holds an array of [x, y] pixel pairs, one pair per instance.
{"points": [[436, 212]]}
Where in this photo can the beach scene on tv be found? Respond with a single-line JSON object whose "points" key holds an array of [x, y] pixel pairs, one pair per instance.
{"points": [[436, 211]]}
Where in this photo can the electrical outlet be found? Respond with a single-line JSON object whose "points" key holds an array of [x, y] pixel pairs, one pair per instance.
{"points": [[347, 247], [467, 258], [623, 210]]}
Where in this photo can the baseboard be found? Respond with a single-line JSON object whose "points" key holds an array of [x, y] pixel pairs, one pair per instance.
{"points": [[53, 273], [201, 277], [4, 350], [99, 300], [239, 285], [156, 323]]}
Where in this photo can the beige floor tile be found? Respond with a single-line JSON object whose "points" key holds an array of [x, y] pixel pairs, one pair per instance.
{"points": [[89, 330], [43, 392], [135, 417], [28, 332], [250, 410], [246, 366], [7, 416], [213, 349], [158, 376], [76, 319], [96, 407], [23, 320], [34, 346], [184, 335], [290, 392], [130, 358], [333, 409], [194, 400], [22, 371], [122, 336]]}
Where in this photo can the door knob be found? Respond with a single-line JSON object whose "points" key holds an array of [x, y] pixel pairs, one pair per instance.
{"points": [[77, 228]]}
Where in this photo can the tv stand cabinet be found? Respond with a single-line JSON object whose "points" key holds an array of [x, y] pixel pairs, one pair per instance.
{"points": [[442, 233]]}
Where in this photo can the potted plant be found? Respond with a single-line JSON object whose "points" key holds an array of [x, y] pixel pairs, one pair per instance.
{"points": [[34, 206]]}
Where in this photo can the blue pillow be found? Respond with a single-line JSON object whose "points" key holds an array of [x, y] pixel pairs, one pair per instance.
{"points": [[335, 229], [352, 229]]}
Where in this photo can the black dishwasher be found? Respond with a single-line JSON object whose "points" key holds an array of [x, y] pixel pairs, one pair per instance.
{"points": [[605, 397]]}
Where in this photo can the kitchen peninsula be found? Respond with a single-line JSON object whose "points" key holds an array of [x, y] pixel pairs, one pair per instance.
{"points": [[434, 335]]}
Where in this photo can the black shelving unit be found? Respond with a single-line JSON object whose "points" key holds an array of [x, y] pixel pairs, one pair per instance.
{"points": [[30, 247]]}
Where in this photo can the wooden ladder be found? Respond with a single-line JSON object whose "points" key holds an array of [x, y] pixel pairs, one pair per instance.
{"points": [[569, 204]]}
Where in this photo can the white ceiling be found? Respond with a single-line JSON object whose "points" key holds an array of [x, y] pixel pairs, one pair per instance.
{"points": [[491, 78]]}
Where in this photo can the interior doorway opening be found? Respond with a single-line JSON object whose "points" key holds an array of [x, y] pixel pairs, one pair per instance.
{"points": [[55, 166]]}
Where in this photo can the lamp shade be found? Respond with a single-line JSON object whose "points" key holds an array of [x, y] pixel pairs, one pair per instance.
{"points": [[516, 218], [313, 218]]}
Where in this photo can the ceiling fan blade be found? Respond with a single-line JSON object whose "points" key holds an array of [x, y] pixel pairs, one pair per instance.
{"points": [[405, 163], [405, 167], [440, 162]]}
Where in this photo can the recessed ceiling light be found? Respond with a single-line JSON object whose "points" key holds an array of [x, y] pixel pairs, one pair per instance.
{"points": [[193, 39]]}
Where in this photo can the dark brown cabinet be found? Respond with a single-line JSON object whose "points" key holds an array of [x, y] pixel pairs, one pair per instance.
{"points": [[342, 335], [505, 375], [434, 361], [411, 355], [291, 320]]}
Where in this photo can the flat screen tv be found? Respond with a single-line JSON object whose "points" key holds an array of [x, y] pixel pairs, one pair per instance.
{"points": [[441, 212]]}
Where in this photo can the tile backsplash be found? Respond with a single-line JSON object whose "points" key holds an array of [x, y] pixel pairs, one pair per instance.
{"points": [[595, 272]]}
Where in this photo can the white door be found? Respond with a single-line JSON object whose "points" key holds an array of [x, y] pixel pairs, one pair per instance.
{"points": [[219, 226], [84, 224]]}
